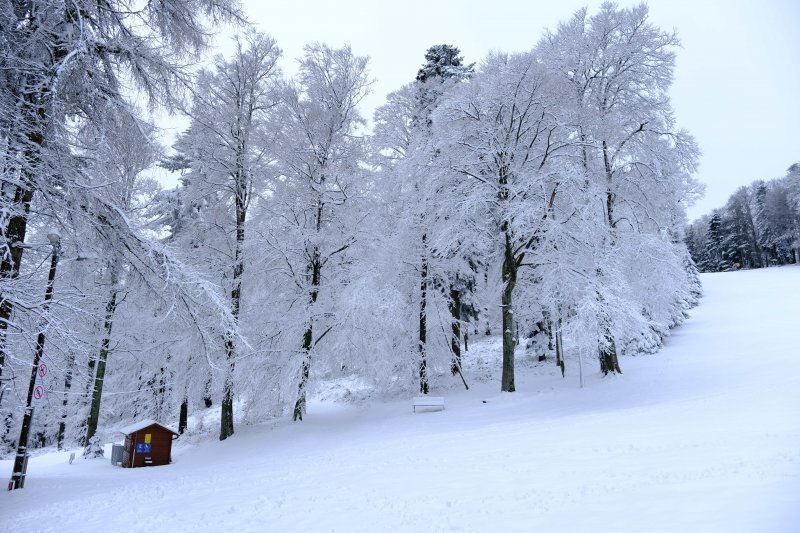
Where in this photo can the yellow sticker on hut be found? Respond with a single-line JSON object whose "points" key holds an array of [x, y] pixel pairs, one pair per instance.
{"points": [[147, 438]]}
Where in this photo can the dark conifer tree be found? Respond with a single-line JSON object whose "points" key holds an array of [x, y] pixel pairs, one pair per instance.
{"points": [[443, 63]]}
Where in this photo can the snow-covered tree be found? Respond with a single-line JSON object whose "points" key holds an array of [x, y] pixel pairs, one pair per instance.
{"points": [[617, 68], [321, 149], [502, 132], [66, 66], [230, 145], [442, 71], [62, 62], [116, 159]]}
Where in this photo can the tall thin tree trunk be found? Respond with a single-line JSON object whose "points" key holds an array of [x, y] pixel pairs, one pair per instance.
{"points": [[609, 361], [509, 341], [315, 270], [226, 413], [609, 190], [308, 340], [455, 326], [423, 319], [62, 425], [305, 370], [183, 417], [15, 230], [487, 327], [559, 349], [161, 392], [18, 474], [183, 413], [99, 379], [15, 220], [226, 407], [89, 387]]}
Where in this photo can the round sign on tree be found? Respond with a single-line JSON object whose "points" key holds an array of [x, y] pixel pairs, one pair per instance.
{"points": [[38, 394]]}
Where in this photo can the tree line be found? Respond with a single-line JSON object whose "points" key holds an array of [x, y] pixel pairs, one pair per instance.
{"points": [[758, 227], [537, 195]]}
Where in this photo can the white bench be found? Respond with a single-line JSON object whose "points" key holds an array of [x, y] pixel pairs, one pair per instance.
{"points": [[428, 401]]}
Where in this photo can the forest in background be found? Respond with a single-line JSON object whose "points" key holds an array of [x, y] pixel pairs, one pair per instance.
{"points": [[758, 227], [539, 196]]}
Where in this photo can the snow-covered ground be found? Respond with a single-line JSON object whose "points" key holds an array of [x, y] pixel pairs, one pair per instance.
{"points": [[703, 436]]}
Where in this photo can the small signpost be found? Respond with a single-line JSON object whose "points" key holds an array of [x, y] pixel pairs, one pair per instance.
{"points": [[21, 460], [38, 372], [38, 389]]}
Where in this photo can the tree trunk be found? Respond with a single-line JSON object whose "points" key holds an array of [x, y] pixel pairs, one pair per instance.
{"points": [[226, 407], [35, 117], [161, 393], [89, 386], [226, 414], [315, 269], [18, 474], [308, 342], [97, 392], [609, 362], [487, 327], [62, 425], [559, 349], [610, 197], [183, 417], [509, 342], [207, 400], [14, 231], [455, 326], [423, 319], [15, 226], [300, 403], [608, 356]]}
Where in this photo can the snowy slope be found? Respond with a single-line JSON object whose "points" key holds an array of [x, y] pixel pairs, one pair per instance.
{"points": [[703, 436]]}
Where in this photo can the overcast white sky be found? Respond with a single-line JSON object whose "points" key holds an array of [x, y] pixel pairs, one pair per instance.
{"points": [[737, 80]]}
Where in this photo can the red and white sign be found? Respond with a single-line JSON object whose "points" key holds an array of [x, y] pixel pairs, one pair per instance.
{"points": [[39, 390], [38, 394]]}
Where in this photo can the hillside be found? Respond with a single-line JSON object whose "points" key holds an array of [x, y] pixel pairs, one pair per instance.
{"points": [[703, 436]]}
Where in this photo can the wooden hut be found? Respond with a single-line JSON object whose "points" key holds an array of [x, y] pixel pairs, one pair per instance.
{"points": [[147, 443]]}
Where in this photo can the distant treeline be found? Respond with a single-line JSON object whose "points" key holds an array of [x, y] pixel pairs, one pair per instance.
{"points": [[758, 227]]}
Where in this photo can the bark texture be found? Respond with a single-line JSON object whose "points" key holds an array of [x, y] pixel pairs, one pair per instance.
{"points": [[509, 340]]}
